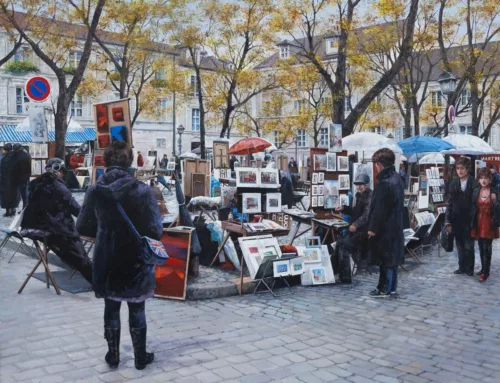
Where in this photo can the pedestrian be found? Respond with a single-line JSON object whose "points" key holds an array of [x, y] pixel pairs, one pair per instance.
{"points": [[404, 175], [140, 160], [485, 219], [286, 189], [292, 164], [23, 171], [231, 163], [118, 273], [50, 209], [459, 215], [9, 182], [385, 223], [495, 182], [267, 159], [355, 243], [164, 162]]}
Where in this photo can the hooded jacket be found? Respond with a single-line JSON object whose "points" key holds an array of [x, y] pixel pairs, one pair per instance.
{"points": [[117, 270], [359, 214]]}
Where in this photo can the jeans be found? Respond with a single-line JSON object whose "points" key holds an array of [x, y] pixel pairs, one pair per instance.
{"points": [[485, 250], [388, 279], [465, 250], [136, 314]]}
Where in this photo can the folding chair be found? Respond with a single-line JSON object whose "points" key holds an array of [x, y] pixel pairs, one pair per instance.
{"points": [[12, 234], [39, 239], [88, 245]]}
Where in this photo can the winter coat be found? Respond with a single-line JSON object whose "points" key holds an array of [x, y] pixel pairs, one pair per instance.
{"points": [[495, 183], [117, 270], [9, 182], [459, 212], [286, 192], [359, 215], [164, 163], [23, 165], [496, 207], [50, 206], [386, 219], [140, 160]]}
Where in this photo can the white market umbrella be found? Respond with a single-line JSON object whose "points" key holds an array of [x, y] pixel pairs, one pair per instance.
{"points": [[73, 126], [467, 144], [189, 155], [434, 159], [369, 142]]}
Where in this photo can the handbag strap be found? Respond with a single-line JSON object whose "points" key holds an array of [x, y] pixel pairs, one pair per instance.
{"points": [[131, 226]]}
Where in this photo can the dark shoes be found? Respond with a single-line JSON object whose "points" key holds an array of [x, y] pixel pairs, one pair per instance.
{"points": [[379, 294], [470, 273], [112, 336], [483, 277], [142, 358], [458, 272], [480, 272]]}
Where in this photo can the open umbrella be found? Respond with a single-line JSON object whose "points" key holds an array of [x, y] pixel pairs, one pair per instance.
{"points": [[369, 142], [467, 144], [422, 144], [434, 159], [249, 145], [184, 216]]}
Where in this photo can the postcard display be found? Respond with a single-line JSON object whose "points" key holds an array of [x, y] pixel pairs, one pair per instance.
{"points": [[39, 156], [330, 182], [112, 120], [258, 190]]}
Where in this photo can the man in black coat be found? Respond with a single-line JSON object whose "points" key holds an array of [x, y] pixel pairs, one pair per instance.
{"points": [[355, 243], [459, 215], [8, 182], [385, 223], [50, 209], [23, 171]]}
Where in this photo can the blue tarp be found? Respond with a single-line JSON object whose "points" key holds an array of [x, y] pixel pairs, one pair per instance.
{"points": [[8, 134]]}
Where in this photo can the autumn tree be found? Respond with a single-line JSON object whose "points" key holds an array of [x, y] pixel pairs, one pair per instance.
{"points": [[45, 29], [382, 47], [14, 37]]}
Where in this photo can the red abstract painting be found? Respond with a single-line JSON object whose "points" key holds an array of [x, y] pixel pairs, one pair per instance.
{"points": [[171, 278], [101, 112]]}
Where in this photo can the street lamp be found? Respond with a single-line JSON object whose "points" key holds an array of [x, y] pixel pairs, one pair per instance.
{"points": [[180, 130], [296, 139], [448, 84]]}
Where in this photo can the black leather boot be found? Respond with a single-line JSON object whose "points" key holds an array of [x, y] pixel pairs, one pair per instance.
{"points": [[142, 358], [112, 336]]}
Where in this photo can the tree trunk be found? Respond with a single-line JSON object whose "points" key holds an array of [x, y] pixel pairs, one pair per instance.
{"points": [[416, 116], [61, 126], [407, 118], [475, 109]]}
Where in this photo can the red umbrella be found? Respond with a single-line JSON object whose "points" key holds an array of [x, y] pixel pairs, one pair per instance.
{"points": [[249, 145]]}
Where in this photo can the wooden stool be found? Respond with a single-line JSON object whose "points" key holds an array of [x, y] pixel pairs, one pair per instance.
{"points": [[42, 251]]}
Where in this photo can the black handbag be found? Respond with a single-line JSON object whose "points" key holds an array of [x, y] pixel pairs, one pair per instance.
{"points": [[447, 240]]}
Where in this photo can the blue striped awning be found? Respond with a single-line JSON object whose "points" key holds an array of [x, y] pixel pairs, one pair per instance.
{"points": [[8, 134]]}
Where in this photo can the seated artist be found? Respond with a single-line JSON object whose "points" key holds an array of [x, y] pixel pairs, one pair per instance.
{"points": [[356, 240], [50, 209]]}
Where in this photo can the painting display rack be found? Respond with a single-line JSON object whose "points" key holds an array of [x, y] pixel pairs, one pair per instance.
{"points": [[269, 281]]}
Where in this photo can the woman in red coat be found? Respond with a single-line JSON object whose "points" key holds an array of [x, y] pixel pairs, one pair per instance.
{"points": [[486, 218]]}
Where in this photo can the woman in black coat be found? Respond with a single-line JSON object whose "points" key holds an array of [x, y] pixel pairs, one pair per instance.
{"points": [[118, 273], [385, 224], [9, 182]]}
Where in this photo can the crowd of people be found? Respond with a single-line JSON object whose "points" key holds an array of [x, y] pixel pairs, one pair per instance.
{"points": [[15, 173]]}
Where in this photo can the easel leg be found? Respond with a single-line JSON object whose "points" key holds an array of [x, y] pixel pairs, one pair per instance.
{"points": [[29, 276], [295, 233], [326, 235], [220, 248], [242, 263]]}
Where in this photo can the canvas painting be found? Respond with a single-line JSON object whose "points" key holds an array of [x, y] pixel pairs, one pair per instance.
{"points": [[171, 277], [331, 194], [312, 255], [344, 200], [269, 251], [296, 266], [318, 275], [119, 133], [321, 178], [313, 242], [320, 162], [171, 165], [99, 158], [273, 202], [335, 137], [281, 269], [314, 201], [251, 203], [220, 154], [103, 141], [315, 190], [360, 168], [101, 116], [331, 162], [247, 177], [38, 125], [344, 183], [44, 151], [320, 189], [268, 178], [315, 177], [343, 164], [321, 201]]}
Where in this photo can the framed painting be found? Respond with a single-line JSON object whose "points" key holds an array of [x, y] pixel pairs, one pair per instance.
{"points": [[268, 178], [171, 277], [331, 162], [251, 203], [101, 118], [343, 163], [281, 269], [171, 165], [318, 275], [334, 137], [344, 182], [221, 155], [99, 158], [273, 203], [247, 177], [320, 162]]}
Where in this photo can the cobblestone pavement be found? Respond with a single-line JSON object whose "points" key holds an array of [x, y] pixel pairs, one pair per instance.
{"points": [[442, 328]]}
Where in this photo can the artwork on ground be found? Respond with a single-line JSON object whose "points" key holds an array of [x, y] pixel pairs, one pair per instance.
{"points": [[297, 266], [335, 137], [171, 278], [312, 255], [331, 194], [318, 275], [281, 268]]}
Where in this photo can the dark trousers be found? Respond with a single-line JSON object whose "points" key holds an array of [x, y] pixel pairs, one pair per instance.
{"points": [[388, 279], [465, 250], [23, 190], [485, 251], [72, 252], [136, 314]]}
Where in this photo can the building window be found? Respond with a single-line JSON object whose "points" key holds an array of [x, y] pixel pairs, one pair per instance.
{"points": [[22, 54], [301, 138], [347, 104], [21, 100], [465, 97], [195, 91], [160, 74], [195, 119], [284, 52], [437, 98], [161, 107], [300, 105], [74, 59], [76, 107], [161, 143], [465, 129], [323, 137]]}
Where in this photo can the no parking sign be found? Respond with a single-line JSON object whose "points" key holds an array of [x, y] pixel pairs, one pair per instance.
{"points": [[38, 88]]}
